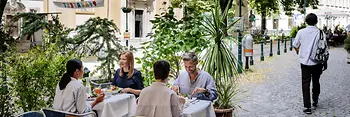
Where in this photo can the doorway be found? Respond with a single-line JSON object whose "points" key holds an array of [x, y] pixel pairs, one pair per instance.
{"points": [[138, 23]]}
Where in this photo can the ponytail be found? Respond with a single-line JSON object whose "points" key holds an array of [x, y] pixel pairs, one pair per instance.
{"points": [[64, 81], [71, 67]]}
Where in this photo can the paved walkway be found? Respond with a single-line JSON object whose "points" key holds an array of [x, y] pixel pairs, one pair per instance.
{"points": [[276, 92]]}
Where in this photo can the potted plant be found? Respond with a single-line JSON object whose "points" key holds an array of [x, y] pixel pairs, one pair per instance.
{"points": [[219, 61], [126, 9]]}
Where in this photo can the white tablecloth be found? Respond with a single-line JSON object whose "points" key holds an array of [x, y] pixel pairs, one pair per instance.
{"points": [[120, 105], [199, 108]]}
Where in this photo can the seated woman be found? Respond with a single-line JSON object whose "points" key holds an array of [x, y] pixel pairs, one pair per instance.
{"points": [[158, 100], [70, 93], [126, 76]]}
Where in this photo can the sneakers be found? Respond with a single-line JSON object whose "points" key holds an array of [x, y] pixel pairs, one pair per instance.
{"points": [[307, 111], [314, 104]]}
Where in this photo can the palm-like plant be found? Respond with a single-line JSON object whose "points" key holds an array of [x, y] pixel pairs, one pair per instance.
{"points": [[219, 61]]}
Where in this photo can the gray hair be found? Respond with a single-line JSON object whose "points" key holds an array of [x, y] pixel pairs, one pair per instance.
{"points": [[190, 56]]}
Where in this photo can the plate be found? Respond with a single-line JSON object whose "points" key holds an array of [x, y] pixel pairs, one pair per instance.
{"points": [[115, 92], [90, 99], [187, 100]]}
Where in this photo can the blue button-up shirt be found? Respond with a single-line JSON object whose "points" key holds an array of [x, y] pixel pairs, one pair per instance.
{"points": [[202, 80]]}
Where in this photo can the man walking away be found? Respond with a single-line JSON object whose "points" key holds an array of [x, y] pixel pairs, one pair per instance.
{"points": [[306, 45]]}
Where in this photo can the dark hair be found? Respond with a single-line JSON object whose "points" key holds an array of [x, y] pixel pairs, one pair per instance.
{"points": [[71, 67], [311, 19], [161, 69]]}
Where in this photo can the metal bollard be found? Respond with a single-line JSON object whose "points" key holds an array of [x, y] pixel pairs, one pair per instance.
{"points": [[251, 60], [291, 44], [240, 64], [285, 44], [271, 53], [278, 47], [262, 51]]}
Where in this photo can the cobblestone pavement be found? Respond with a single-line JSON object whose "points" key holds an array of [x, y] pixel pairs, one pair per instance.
{"points": [[279, 93]]}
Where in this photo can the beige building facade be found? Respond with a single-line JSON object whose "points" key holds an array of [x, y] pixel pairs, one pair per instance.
{"points": [[139, 19]]}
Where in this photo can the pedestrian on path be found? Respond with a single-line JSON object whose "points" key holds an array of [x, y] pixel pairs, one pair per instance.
{"points": [[306, 45]]}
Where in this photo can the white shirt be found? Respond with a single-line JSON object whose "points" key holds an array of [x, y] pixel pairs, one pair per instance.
{"points": [[72, 98], [158, 100], [305, 42]]}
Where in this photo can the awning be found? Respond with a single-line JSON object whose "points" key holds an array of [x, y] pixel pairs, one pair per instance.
{"points": [[77, 5], [329, 11]]}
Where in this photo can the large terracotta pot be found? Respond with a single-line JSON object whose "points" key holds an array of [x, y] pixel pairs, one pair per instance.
{"points": [[223, 112]]}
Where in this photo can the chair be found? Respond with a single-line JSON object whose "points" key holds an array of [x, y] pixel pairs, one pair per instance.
{"points": [[32, 114], [58, 113]]}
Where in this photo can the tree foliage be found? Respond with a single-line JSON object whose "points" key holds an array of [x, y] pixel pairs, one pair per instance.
{"points": [[295, 29], [100, 35], [97, 35], [31, 23], [35, 74], [6, 44], [268, 7], [34, 77], [2, 8], [173, 37], [54, 31]]}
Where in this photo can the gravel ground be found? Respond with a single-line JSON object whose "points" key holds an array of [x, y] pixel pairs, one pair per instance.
{"points": [[279, 93]]}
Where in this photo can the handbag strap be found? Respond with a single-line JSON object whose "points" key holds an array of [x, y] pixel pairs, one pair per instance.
{"points": [[313, 44]]}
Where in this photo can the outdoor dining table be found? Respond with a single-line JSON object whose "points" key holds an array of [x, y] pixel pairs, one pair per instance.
{"points": [[124, 105], [198, 108], [119, 105]]}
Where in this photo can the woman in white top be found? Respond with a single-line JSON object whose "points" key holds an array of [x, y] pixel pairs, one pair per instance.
{"points": [[70, 93], [158, 100]]}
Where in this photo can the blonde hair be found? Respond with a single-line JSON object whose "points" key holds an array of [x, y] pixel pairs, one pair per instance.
{"points": [[130, 60]]}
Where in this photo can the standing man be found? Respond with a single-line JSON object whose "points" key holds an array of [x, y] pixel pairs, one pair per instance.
{"points": [[194, 82], [310, 70]]}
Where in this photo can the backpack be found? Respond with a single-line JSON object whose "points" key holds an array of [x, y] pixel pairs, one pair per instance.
{"points": [[320, 53]]}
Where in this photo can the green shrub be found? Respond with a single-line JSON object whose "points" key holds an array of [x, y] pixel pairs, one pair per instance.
{"points": [[34, 76], [6, 107], [347, 44], [173, 37], [294, 31]]}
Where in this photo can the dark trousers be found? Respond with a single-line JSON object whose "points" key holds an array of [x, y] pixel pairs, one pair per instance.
{"points": [[311, 73]]}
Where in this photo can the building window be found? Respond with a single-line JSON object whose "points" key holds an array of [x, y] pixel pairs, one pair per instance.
{"points": [[275, 23]]}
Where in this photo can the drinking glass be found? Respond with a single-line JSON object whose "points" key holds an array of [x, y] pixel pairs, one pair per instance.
{"points": [[97, 90]]}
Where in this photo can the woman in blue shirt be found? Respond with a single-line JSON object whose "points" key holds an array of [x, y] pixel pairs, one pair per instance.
{"points": [[126, 76]]}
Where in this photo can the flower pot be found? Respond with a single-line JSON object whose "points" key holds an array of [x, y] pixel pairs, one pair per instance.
{"points": [[223, 112], [126, 9]]}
